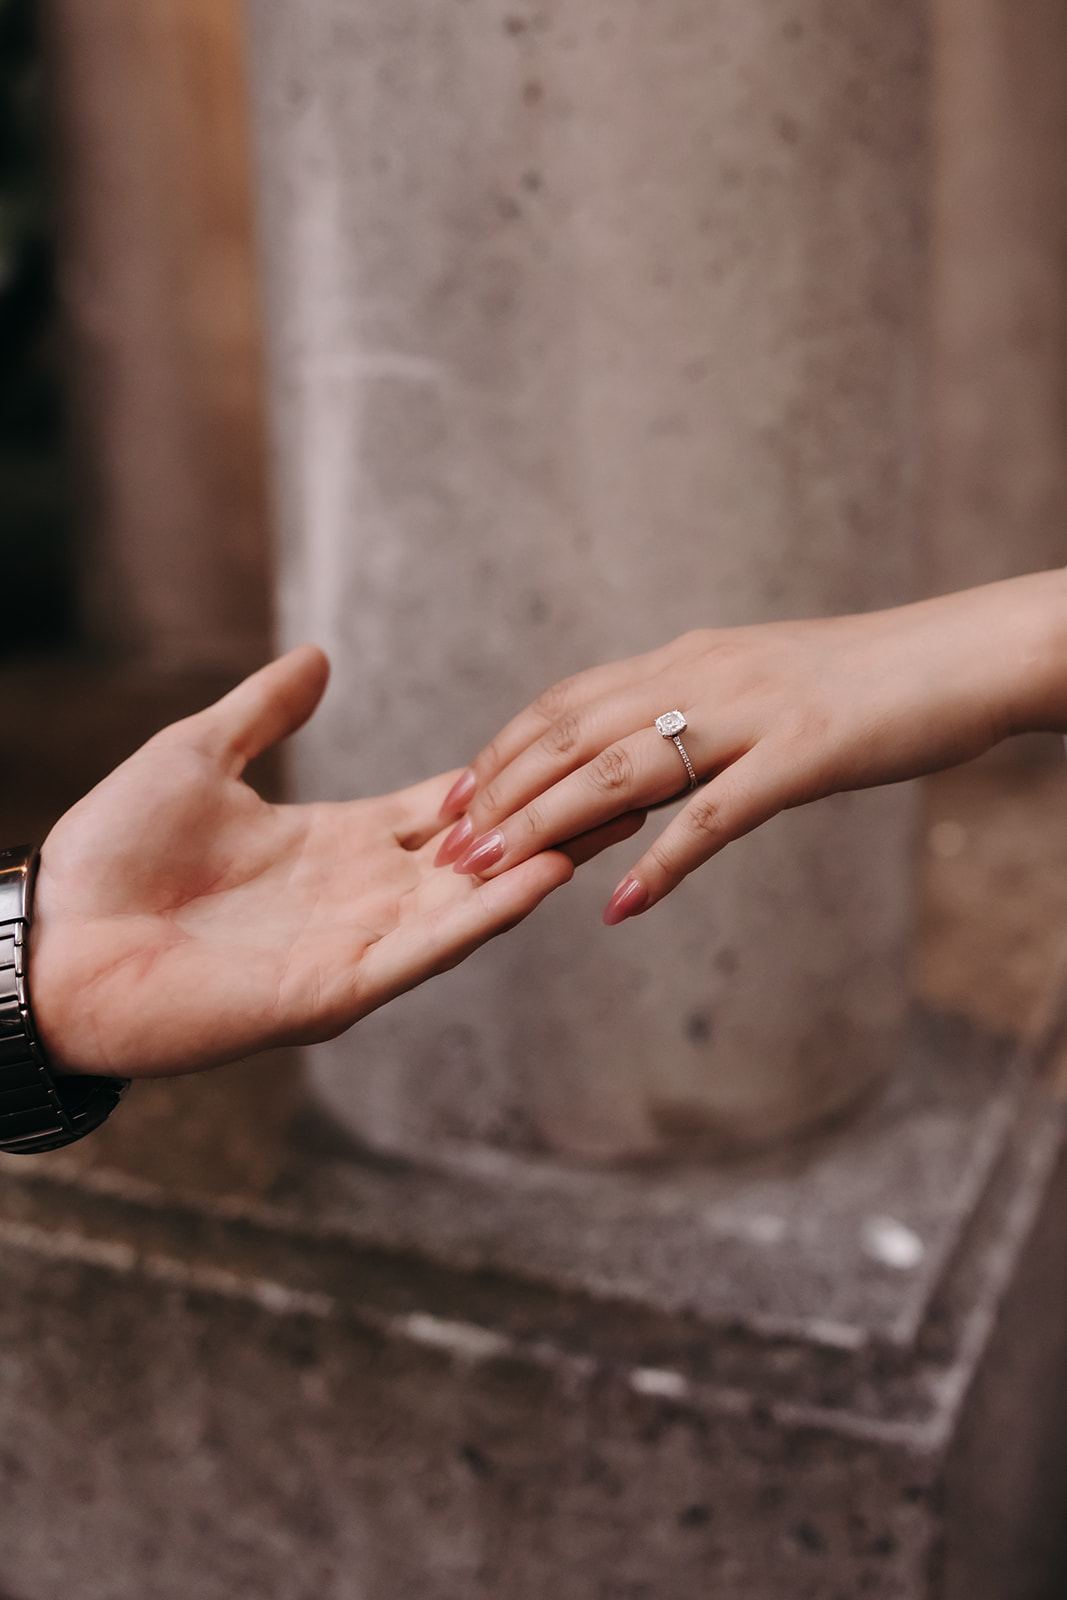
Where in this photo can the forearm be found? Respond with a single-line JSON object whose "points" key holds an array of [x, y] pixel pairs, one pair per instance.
{"points": [[1023, 622], [952, 676]]}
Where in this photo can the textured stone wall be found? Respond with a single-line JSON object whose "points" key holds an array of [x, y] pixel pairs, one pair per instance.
{"points": [[589, 325]]}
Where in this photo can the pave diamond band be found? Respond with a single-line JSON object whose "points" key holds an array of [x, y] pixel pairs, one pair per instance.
{"points": [[670, 725]]}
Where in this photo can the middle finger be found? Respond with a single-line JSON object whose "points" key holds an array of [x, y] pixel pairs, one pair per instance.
{"points": [[574, 739], [636, 772]]}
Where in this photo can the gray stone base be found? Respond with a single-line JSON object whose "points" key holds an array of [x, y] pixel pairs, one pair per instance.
{"points": [[839, 1375]]}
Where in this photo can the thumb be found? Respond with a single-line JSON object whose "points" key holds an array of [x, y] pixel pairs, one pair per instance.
{"points": [[270, 705]]}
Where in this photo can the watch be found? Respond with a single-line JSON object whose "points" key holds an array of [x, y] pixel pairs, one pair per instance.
{"points": [[40, 1109]]}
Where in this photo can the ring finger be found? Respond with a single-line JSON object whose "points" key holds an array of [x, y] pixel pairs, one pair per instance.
{"points": [[633, 774]]}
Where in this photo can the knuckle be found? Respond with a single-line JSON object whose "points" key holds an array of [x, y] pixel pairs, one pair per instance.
{"points": [[663, 860], [563, 737], [699, 641], [491, 759], [612, 772], [705, 818], [491, 801], [552, 703], [529, 824]]}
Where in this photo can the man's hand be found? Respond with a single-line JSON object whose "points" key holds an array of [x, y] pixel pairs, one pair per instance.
{"points": [[181, 921]]}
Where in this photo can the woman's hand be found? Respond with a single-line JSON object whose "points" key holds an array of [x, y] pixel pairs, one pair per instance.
{"points": [[777, 715], [182, 921]]}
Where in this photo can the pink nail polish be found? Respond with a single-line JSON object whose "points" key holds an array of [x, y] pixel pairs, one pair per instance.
{"points": [[483, 854], [454, 843], [460, 793], [629, 898]]}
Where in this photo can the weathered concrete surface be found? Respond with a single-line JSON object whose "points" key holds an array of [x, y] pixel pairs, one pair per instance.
{"points": [[281, 1400], [842, 1242], [589, 325]]}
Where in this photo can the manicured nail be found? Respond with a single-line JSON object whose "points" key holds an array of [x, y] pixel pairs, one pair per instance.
{"points": [[483, 853], [457, 797], [454, 842], [629, 898]]}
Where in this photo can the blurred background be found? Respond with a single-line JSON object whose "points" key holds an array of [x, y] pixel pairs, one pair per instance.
{"points": [[139, 501], [133, 511], [39, 548], [131, 340]]}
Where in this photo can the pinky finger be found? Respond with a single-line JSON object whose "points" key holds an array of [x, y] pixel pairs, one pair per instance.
{"points": [[748, 793]]}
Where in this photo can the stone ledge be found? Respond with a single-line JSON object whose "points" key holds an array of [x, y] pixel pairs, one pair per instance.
{"points": [[454, 1392], [758, 1286]]}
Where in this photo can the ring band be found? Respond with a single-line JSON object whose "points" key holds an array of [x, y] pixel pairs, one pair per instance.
{"points": [[670, 725]]}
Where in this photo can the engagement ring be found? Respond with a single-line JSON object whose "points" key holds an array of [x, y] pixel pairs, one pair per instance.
{"points": [[671, 724]]}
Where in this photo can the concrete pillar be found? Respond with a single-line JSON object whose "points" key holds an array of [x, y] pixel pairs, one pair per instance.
{"points": [[158, 281], [999, 306], [589, 325]]}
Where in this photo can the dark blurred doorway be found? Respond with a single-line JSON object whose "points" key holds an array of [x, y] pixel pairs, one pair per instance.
{"points": [[37, 556], [157, 284], [135, 569]]}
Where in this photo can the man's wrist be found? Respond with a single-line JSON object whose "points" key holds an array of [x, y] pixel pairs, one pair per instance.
{"points": [[40, 1108]]}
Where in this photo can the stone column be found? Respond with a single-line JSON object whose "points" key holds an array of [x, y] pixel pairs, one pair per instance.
{"points": [[999, 310], [158, 280], [589, 325]]}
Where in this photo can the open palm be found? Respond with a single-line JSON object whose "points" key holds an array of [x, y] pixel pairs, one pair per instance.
{"points": [[182, 921]]}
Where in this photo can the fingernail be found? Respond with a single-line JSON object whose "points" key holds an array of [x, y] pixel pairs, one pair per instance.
{"points": [[454, 842], [456, 798], [629, 898], [483, 853]]}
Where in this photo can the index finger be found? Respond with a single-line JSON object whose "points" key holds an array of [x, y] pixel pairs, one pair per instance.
{"points": [[566, 699]]}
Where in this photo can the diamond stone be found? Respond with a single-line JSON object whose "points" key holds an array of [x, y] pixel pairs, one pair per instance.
{"points": [[671, 723]]}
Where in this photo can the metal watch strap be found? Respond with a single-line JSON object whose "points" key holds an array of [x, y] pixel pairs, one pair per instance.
{"points": [[39, 1109]]}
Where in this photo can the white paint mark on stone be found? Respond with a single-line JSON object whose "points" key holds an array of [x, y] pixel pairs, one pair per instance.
{"points": [[116, 1256], [62, 1245], [892, 1243], [277, 1298], [658, 1384], [766, 1229], [761, 1227], [837, 1335], [461, 1339]]}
